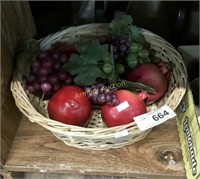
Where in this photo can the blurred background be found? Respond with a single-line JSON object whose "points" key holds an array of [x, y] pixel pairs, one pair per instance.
{"points": [[176, 21]]}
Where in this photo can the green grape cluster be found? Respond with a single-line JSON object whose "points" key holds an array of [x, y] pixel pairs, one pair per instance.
{"points": [[138, 55]]}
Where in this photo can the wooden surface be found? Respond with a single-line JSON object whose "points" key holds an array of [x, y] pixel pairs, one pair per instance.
{"points": [[17, 26], [157, 156]]}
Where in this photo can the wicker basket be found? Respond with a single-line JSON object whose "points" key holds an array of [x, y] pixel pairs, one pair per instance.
{"points": [[96, 136]]}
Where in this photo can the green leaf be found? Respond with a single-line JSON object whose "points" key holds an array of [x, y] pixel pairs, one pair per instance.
{"points": [[33, 46], [26, 55], [124, 26], [115, 24], [94, 49], [135, 32], [134, 86], [86, 65], [23, 63], [119, 25], [88, 77], [81, 48], [75, 64], [127, 19], [121, 22]]}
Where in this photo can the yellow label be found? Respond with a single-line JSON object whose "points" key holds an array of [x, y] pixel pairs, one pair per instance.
{"points": [[189, 133]]}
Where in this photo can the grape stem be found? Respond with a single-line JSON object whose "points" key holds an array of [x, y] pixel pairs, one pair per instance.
{"points": [[43, 94]]}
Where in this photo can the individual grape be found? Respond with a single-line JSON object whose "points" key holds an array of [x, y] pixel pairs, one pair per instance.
{"points": [[120, 68], [108, 91], [107, 68], [123, 48], [114, 96], [47, 63], [31, 77], [143, 54], [56, 86], [114, 102], [42, 78], [34, 70], [107, 58], [35, 64], [95, 100], [30, 88], [108, 98], [56, 66], [53, 79], [55, 55], [132, 63], [134, 47], [131, 56], [87, 89], [132, 60], [43, 71], [95, 93], [36, 85], [46, 87], [43, 54], [63, 58], [62, 75], [101, 99], [69, 80]]}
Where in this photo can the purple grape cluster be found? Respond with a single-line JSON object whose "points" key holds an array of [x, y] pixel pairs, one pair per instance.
{"points": [[99, 95], [121, 46], [46, 73]]}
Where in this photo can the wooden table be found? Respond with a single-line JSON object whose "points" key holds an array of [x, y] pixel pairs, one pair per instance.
{"points": [[35, 149]]}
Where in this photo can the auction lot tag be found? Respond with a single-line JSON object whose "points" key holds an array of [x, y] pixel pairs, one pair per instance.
{"points": [[154, 118]]}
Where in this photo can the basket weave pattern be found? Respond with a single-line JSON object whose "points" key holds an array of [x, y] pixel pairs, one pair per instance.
{"points": [[95, 135]]}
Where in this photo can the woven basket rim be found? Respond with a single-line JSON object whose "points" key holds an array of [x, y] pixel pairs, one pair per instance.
{"points": [[72, 130], [86, 25]]}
